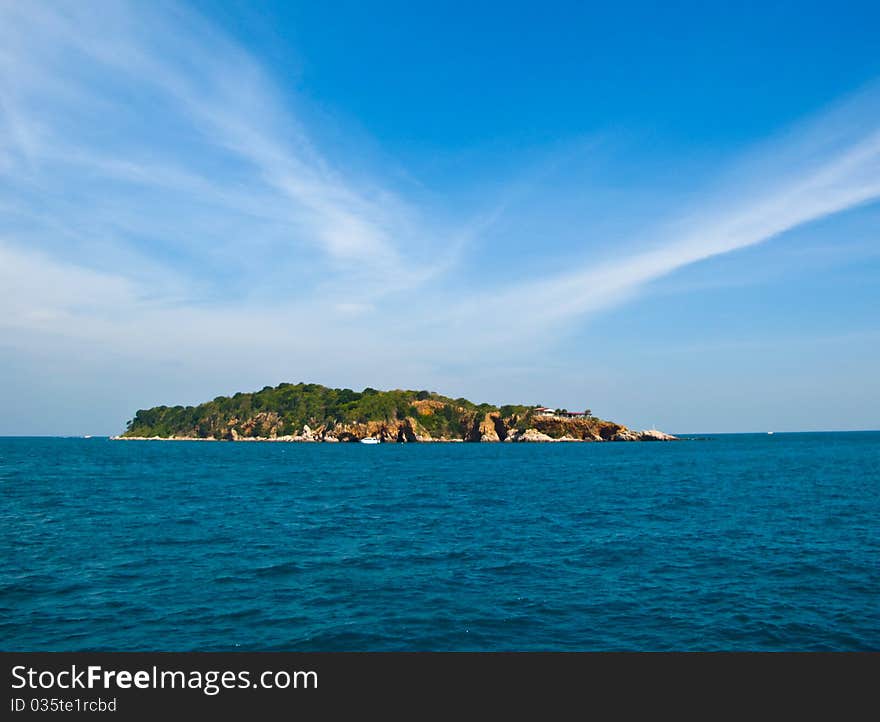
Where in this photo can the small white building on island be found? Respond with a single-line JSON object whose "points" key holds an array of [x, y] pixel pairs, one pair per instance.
{"points": [[564, 413]]}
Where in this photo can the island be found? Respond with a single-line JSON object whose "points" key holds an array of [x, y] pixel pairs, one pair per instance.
{"points": [[313, 413]]}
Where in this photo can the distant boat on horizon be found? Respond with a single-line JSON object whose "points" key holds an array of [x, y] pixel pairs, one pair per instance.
{"points": [[369, 440], [769, 433]]}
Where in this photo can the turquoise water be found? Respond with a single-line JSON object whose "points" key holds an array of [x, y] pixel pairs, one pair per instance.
{"points": [[735, 542]]}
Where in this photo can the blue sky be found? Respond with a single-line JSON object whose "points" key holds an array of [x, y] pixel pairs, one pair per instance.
{"points": [[669, 214]]}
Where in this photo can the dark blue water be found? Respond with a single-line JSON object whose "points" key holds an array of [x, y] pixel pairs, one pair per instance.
{"points": [[738, 542]]}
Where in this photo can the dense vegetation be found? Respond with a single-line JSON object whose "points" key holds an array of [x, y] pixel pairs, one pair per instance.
{"points": [[286, 408]]}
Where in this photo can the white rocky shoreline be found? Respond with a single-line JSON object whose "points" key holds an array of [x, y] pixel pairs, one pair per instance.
{"points": [[527, 436]]}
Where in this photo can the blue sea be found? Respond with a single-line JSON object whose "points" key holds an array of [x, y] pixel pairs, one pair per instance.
{"points": [[729, 542]]}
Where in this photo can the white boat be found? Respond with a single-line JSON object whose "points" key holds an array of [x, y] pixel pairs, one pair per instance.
{"points": [[369, 440], [769, 433]]}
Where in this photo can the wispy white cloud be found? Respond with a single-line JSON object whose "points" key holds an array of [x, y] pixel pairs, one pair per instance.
{"points": [[77, 94], [765, 201]]}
